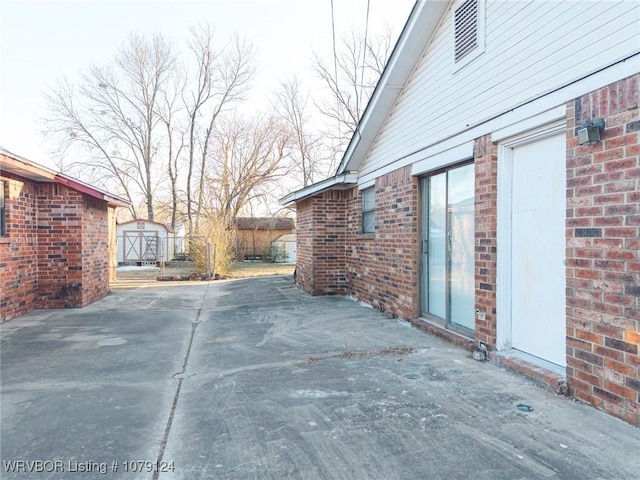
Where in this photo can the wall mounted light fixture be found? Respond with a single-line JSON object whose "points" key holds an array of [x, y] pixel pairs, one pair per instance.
{"points": [[589, 132]]}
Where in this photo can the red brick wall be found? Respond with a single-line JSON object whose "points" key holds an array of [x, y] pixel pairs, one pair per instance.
{"points": [[486, 217], [603, 245], [304, 248], [95, 250], [18, 266], [334, 257], [60, 212], [56, 252], [382, 268], [320, 255]]}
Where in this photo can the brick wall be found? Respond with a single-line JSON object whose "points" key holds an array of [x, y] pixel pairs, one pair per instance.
{"points": [[60, 211], [320, 255], [18, 265], [382, 268], [335, 257], [95, 250], [603, 245], [486, 216], [56, 253], [304, 248]]}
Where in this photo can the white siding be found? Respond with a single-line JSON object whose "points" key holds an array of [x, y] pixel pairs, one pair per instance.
{"points": [[531, 48]]}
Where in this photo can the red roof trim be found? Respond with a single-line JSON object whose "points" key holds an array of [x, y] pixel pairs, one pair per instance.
{"points": [[89, 190], [24, 168]]}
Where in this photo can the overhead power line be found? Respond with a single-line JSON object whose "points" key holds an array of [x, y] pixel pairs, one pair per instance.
{"points": [[364, 53]]}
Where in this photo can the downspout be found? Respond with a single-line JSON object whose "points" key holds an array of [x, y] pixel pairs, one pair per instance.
{"points": [[37, 246]]}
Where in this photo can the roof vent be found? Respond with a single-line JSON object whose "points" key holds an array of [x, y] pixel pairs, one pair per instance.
{"points": [[466, 28]]}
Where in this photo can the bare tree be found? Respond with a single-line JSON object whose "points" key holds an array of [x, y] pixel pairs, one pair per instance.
{"points": [[306, 145], [170, 115], [74, 126], [222, 78], [115, 121], [250, 156], [350, 78]]}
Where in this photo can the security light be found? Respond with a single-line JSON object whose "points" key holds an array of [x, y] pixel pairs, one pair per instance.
{"points": [[589, 132]]}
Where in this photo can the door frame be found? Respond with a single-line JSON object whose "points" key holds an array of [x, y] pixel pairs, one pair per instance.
{"points": [[504, 225]]}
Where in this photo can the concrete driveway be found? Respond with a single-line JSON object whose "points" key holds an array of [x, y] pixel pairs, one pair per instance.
{"points": [[252, 379]]}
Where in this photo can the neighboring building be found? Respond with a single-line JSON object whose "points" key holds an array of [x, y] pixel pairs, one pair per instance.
{"points": [[143, 241], [255, 234], [471, 202], [57, 238], [284, 248]]}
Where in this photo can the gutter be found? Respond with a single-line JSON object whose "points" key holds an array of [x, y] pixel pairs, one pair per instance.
{"points": [[338, 182]]}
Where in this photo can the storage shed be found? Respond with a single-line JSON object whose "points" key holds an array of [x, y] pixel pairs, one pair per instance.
{"points": [[143, 241], [283, 249], [255, 234]]}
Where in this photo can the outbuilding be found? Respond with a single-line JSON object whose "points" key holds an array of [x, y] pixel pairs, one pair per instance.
{"points": [[254, 235], [57, 238], [283, 249], [142, 241]]}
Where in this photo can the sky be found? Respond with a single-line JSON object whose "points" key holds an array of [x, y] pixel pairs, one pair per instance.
{"points": [[44, 41]]}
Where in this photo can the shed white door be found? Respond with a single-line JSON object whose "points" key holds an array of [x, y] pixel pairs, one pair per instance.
{"points": [[140, 246], [538, 214], [291, 249]]}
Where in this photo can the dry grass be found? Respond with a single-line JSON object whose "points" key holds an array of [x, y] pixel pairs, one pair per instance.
{"points": [[152, 273], [236, 270], [258, 269], [349, 354]]}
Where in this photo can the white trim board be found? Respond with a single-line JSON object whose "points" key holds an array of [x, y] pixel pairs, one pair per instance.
{"points": [[532, 113]]}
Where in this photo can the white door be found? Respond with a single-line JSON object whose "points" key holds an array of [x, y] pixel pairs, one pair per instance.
{"points": [[538, 316], [140, 246], [291, 248]]}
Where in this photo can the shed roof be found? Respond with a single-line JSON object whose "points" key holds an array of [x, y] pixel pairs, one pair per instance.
{"points": [[286, 237], [22, 167], [264, 223], [136, 220]]}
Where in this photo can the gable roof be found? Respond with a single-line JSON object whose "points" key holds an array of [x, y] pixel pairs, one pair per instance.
{"points": [[22, 167], [414, 38], [264, 223]]}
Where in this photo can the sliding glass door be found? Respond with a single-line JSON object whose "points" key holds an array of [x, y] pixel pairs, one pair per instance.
{"points": [[448, 247]]}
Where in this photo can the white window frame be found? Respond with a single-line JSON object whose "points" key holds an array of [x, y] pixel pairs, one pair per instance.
{"points": [[368, 210]]}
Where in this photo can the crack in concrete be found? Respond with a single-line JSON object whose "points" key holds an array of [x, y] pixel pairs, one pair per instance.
{"points": [[180, 376], [371, 354]]}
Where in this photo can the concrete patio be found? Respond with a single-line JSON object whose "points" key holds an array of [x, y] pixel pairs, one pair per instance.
{"points": [[253, 379]]}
